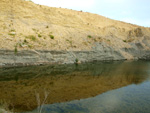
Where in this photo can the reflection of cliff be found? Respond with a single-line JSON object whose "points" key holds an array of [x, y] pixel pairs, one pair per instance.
{"points": [[65, 83]]}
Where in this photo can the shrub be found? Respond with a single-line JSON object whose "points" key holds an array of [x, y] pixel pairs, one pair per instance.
{"points": [[39, 35], [76, 60], [89, 36], [124, 41], [16, 50], [30, 46], [12, 30], [11, 34], [51, 36], [25, 41]]}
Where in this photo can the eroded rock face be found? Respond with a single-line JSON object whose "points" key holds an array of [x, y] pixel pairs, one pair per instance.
{"points": [[99, 52]]}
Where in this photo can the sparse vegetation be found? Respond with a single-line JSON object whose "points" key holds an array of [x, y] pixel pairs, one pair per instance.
{"points": [[11, 34], [12, 30], [76, 60], [4, 27], [51, 36], [124, 41], [25, 41], [86, 32], [89, 36], [33, 29], [85, 43], [39, 35], [16, 50], [130, 40], [69, 42], [31, 37], [30, 46], [20, 44], [94, 39]]}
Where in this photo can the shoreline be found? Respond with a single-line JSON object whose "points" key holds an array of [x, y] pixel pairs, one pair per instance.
{"points": [[8, 58]]}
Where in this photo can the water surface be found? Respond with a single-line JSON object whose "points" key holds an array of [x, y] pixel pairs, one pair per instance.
{"points": [[102, 87]]}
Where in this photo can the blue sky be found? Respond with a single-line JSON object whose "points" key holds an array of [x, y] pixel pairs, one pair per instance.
{"points": [[131, 11]]}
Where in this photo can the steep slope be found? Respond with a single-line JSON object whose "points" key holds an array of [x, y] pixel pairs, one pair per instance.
{"points": [[28, 26]]}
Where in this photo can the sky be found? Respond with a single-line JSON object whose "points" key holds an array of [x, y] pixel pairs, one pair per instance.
{"points": [[131, 11]]}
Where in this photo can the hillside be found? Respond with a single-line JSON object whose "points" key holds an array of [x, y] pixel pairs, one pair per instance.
{"points": [[29, 26]]}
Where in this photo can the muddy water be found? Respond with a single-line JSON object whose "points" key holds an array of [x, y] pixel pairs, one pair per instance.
{"points": [[92, 87]]}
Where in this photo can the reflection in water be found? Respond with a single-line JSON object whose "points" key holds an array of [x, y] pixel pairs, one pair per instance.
{"points": [[130, 99], [19, 86]]}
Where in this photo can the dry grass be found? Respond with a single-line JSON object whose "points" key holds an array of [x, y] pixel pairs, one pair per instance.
{"points": [[30, 19]]}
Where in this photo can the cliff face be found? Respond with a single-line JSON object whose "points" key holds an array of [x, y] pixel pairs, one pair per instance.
{"points": [[26, 26]]}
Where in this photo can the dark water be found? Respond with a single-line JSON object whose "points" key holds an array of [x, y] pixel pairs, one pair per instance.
{"points": [[102, 87]]}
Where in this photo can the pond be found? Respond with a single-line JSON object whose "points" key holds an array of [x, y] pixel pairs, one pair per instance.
{"points": [[100, 87]]}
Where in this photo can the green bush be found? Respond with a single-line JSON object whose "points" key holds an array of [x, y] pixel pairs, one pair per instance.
{"points": [[11, 34], [25, 41], [16, 50], [124, 41], [89, 36], [76, 60], [51, 36], [39, 35]]}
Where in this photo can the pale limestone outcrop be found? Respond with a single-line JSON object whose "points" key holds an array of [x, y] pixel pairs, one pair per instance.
{"points": [[99, 52]]}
